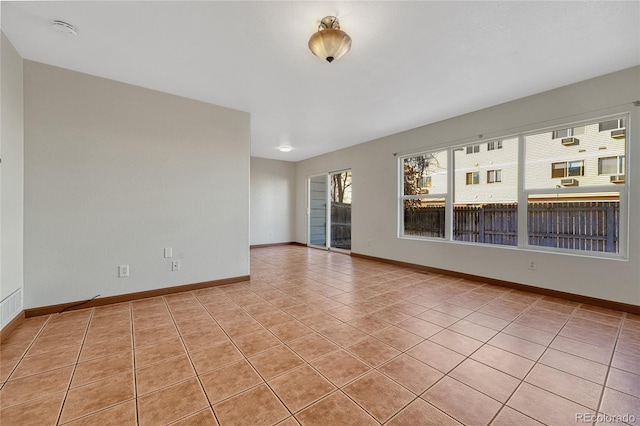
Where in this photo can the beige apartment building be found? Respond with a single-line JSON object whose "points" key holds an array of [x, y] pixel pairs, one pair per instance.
{"points": [[591, 155]]}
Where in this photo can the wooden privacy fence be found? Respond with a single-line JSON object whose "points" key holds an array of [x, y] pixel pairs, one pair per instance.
{"points": [[424, 221], [341, 225], [586, 225], [583, 225], [491, 224]]}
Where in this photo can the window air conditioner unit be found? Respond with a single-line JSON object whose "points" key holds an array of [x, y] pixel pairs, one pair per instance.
{"points": [[618, 134], [570, 141], [617, 179], [569, 182]]}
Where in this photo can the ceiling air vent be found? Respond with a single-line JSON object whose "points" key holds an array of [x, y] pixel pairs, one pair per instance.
{"points": [[569, 182], [617, 179], [618, 134], [570, 141]]}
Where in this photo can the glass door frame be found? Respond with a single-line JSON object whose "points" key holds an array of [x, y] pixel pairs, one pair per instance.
{"points": [[330, 222], [327, 245], [327, 218]]}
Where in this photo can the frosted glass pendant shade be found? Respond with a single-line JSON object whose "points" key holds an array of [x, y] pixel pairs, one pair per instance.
{"points": [[330, 42]]}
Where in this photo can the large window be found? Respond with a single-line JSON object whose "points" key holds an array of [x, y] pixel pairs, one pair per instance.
{"points": [[424, 178], [483, 210], [570, 196], [578, 206]]}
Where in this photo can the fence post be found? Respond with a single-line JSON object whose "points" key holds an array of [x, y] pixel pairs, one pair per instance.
{"points": [[611, 233], [481, 224]]}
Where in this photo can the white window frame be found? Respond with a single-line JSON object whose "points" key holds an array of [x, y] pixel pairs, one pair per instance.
{"points": [[524, 193], [434, 196]]}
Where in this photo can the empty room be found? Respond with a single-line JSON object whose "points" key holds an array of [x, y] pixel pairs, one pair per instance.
{"points": [[319, 213]]}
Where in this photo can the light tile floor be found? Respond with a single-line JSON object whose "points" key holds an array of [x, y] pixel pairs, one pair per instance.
{"points": [[321, 338]]}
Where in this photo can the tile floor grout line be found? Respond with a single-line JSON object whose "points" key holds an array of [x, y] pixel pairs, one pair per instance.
{"points": [[421, 399], [580, 341], [341, 390], [503, 404], [24, 353], [305, 363], [453, 368], [75, 366], [135, 362], [246, 359], [184, 346], [536, 362], [96, 380], [606, 377], [574, 312]]}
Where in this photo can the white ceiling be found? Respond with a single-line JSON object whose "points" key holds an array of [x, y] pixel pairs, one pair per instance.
{"points": [[411, 64]]}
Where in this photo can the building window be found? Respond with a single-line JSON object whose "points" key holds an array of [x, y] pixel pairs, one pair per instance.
{"points": [[567, 169], [473, 178], [611, 125], [566, 133], [611, 165], [494, 145], [424, 182], [494, 176], [472, 149]]}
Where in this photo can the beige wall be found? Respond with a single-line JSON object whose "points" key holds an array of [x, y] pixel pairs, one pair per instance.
{"points": [[272, 201], [11, 181], [115, 173], [375, 191]]}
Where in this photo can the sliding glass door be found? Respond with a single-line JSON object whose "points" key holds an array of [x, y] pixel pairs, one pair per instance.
{"points": [[340, 218], [330, 211], [318, 211]]}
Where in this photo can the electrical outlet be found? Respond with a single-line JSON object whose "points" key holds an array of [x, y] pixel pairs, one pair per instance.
{"points": [[175, 265], [123, 271], [168, 252], [532, 265]]}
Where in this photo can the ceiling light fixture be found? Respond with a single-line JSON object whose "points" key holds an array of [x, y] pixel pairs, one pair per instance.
{"points": [[330, 42], [285, 148], [65, 28]]}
